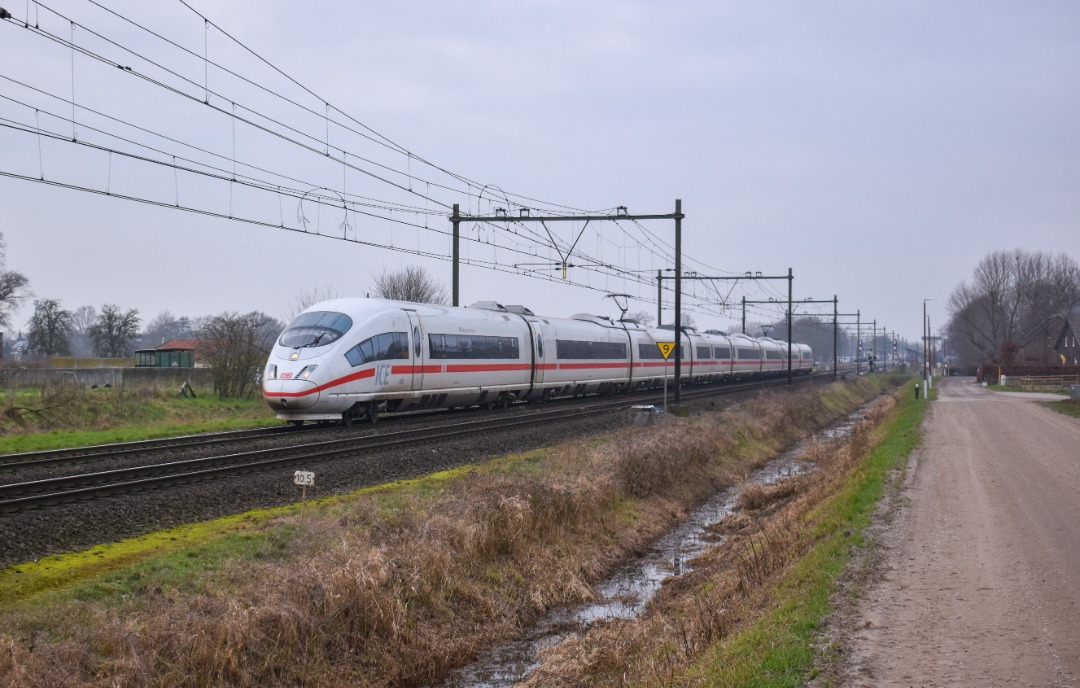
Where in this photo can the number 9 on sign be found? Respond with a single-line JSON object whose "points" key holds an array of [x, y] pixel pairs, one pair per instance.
{"points": [[305, 478]]}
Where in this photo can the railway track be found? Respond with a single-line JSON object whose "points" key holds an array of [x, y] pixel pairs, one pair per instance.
{"points": [[60, 457], [52, 491]]}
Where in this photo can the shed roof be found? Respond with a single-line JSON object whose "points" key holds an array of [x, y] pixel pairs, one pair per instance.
{"points": [[181, 344]]}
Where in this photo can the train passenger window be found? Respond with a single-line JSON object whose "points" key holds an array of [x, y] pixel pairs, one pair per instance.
{"points": [[749, 353], [647, 351], [381, 347], [472, 346], [539, 345], [317, 328], [704, 352], [570, 348], [416, 340]]}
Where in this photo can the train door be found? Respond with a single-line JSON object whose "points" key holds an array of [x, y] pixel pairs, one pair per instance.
{"points": [[538, 352], [416, 342]]}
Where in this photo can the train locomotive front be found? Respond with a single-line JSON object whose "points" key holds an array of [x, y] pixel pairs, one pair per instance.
{"points": [[346, 359]]}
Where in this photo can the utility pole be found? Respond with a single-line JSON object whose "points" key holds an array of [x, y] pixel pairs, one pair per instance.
{"points": [[456, 218], [858, 342], [790, 279], [678, 298], [835, 337], [501, 216]]}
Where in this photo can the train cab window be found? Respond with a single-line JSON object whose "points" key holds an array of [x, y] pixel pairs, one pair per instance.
{"points": [[317, 328], [381, 347]]}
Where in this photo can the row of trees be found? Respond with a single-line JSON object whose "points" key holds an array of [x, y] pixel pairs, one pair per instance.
{"points": [[54, 331], [233, 345], [1005, 312]]}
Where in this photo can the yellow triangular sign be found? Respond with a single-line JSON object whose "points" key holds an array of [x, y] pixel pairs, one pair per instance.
{"points": [[666, 348]]}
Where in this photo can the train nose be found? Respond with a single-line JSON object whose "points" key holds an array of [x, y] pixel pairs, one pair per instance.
{"points": [[290, 394]]}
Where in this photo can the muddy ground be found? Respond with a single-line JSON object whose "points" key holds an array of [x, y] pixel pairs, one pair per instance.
{"points": [[974, 576]]}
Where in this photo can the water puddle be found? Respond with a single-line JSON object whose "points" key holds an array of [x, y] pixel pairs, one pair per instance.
{"points": [[628, 591]]}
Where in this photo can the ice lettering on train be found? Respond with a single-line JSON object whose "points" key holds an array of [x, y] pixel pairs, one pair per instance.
{"points": [[382, 374]]}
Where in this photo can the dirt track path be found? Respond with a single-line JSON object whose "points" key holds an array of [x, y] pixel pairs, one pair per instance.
{"points": [[980, 575]]}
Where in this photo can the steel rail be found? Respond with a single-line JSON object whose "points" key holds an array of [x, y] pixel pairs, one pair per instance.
{"points": [[28, 495]]}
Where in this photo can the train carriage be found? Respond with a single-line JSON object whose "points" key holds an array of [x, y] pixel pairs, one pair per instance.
{"points": [[748, 356], [345, 359]]}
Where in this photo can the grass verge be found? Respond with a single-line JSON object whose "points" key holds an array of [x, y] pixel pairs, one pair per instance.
{"points": [[1067, 407], [33, 420], [778, 648]]}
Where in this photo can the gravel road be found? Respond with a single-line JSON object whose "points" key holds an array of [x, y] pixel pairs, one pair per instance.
{"points": [[976, 577]]}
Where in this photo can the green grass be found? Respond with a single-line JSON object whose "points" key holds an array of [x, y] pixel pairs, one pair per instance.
{"points": [[1066, 406], [1046, 390], [104, 416], [114, 568], [778, 650]]}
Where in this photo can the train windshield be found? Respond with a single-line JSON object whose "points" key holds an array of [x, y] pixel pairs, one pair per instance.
{"points": [[317, 328]]}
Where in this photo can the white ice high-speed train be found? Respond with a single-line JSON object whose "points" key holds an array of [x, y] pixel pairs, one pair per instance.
{"points": [[347, 359]]}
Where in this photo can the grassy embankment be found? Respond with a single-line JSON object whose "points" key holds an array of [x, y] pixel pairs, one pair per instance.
{"points": [[32, 419], [390, 586], [752, 612], [777, 649]]}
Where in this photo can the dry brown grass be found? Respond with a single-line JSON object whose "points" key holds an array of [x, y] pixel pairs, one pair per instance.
{"points": [[719, 597], [396, 588]]}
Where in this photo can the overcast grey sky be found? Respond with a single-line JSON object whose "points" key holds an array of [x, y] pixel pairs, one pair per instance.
{"points": [[879, 149]]}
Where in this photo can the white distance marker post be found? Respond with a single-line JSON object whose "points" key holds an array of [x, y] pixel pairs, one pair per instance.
{"points": [[303, 479]]}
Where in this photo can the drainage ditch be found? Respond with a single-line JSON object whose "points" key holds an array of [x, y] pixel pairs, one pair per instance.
{"points": [[627, 593]]}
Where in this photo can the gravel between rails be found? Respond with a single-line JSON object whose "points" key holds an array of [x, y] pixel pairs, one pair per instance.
{"points": [[30, 535]]}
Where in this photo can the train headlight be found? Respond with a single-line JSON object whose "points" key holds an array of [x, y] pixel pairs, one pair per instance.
{"points": [[306, 372], [271, 372]]}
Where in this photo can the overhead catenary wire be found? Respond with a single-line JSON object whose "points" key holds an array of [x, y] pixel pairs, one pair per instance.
{"points": [[231, 169]]}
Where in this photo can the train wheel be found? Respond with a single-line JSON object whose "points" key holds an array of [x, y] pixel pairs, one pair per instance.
{"points": [[373, 411]]}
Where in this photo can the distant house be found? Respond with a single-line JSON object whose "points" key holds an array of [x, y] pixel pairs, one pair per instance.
{"points": [[175, 353], [1067, 349]]}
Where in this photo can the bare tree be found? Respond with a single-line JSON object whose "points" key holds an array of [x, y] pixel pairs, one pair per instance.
{"points": [[1010, 296], [113, 333], [235, 347], [1049, 285], [82, 320], [309, 297], [166, 326], [13, 287], [644, 317], [412, 284], [49, 329]]}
